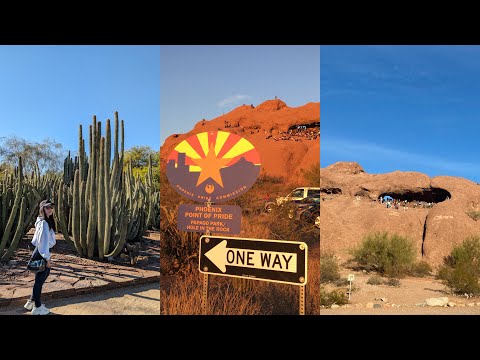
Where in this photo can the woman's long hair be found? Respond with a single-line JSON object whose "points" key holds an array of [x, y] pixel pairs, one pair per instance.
{"points": [[50, 220]]}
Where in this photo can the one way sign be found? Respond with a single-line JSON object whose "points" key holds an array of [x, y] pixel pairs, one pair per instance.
{"points": [[268, 260]]}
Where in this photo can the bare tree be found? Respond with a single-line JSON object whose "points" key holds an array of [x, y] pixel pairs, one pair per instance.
{"points": [[44, 156]]}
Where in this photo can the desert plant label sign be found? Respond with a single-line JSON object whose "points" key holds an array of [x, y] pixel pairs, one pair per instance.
{"points": [[220, 219], [268, 260], [214, 166]]}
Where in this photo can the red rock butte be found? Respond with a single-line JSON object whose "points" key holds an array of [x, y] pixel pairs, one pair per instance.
{"points": [[436, 217], [286, 138]]}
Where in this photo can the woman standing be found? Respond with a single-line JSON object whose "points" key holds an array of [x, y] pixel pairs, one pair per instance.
{"points": [[43, 240]]}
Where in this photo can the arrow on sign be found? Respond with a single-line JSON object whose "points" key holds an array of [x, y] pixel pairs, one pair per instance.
{"points": [[221, 256]]}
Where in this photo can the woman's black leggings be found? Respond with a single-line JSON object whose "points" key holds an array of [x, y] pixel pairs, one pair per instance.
{"points": [[40, 278]]}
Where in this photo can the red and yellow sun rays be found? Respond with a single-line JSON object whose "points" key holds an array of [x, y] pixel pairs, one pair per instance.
{"points": [[226, 146]]}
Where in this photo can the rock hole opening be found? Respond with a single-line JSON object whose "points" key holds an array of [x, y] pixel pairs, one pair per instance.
{"points": [[429, 195]]}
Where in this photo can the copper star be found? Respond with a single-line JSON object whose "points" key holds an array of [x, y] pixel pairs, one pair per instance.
{"points": [[211, 166]]}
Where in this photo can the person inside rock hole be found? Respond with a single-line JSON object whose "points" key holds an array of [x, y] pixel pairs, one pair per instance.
{"points": [[44, 241]]}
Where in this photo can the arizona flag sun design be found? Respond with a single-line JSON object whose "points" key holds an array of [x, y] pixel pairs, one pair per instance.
{"points": [[213, 166]]}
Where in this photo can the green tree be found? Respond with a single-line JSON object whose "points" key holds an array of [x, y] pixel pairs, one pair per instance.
{"points": [[138, 156], [44, 156]]}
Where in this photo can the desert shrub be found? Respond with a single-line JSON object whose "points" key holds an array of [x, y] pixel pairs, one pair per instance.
{"points": [[420, 269], [328, 298], [475, 215], [312, 175], [341, 282], [284, 228], [375, 280], [392, 282], [461, 269], [329, 271], [389, 255]]}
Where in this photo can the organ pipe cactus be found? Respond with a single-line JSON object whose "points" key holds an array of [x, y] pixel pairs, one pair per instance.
{"points": [[99, 213], [18, 203]]}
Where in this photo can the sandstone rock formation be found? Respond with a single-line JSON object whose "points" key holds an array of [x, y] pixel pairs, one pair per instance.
{"points": [[264, 125], [350, 210]]}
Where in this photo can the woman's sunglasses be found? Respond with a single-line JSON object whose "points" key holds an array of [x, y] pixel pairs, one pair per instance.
{"points": [[48, 207]]}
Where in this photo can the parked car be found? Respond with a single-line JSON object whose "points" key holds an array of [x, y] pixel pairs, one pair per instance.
{"points": [[299, 194], [297, 208], [310, 214]]}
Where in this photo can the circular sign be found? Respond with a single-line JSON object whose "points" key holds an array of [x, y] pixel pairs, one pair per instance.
{"points": [[214, 166]]}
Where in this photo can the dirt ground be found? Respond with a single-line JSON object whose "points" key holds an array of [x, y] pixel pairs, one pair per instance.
{"points": [[72, 275], [407, 299], [137, 300]]}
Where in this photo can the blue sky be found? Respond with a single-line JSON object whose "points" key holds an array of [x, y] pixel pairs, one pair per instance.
{"points": [[47, 91], [206, 81], [409, 108]]}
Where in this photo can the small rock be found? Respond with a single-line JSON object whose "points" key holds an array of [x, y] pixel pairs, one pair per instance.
{"points": [[13, 262], [441, 301], [359, 305], [386, 305], [460, 304], [384, 299], [478, 304], [451, 304], [364, 271], [471, 304], [334, 306], [369, 305], [377, 306]]}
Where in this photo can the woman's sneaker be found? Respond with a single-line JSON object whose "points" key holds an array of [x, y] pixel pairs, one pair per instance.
{"points": [[29, 305], [41, 310]]}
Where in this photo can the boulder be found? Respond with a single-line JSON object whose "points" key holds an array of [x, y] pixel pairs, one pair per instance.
{"points": [[441, 301]]}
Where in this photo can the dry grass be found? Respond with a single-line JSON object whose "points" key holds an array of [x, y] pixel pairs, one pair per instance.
{"points": [[182, 294], [181, 284]]}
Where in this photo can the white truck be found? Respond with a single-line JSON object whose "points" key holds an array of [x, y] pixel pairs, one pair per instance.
{"points": [[295, 196]]}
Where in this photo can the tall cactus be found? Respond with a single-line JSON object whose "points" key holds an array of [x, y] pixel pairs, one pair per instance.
{"points": [[13, 212], [13, 195], [97, 186]]}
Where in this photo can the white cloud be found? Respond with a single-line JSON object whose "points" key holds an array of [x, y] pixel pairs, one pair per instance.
{"points": [[232, 100]]}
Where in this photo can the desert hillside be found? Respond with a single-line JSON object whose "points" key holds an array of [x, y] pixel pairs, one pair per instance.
{"points": [[436, 216], [286, 138]]}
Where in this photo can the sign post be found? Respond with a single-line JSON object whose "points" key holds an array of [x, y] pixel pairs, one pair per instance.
{"points": [[205, 295], [218, 166], [350, 279], [205, 280], [301, 303]]}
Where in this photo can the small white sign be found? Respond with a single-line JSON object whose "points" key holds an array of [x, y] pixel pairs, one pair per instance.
{"points": [[351, 277]]}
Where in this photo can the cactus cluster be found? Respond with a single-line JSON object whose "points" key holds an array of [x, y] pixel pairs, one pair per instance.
{"points": [[100, 205], [19, 200], [92, 203]]}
